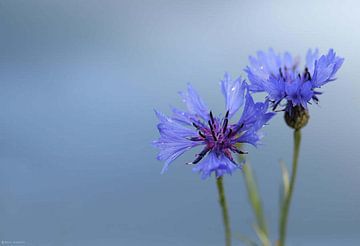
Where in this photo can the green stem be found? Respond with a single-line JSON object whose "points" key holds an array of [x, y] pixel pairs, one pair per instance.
{"points": [[288, 196], [222, 201]]}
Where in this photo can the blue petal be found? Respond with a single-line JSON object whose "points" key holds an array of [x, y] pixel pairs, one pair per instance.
{"points": [[162, 117], [269, 62], [288, 60], [299, 92], [170, 149], [256, 82], [183, 117], [174, 139], [171, 128], [234, 93], [311, 57], [306, 93], [326, 68], [251, 133], [292, 90], [261, 68], [194, 103], [275, 87], [218, 163], [254, 114], [251, 137], [254, 117]]}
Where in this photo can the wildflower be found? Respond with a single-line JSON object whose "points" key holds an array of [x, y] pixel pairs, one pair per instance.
{"points": [[281, 78], [217, 136]]}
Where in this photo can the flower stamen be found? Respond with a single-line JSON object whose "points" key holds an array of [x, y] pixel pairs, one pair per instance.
{"points": [[212, 131], [199, 157], [212, 117], [202, 134], [307, 75]]}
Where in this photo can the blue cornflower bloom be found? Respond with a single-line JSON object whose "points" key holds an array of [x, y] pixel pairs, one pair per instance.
{"points": [[281, 78], [218, 137]]}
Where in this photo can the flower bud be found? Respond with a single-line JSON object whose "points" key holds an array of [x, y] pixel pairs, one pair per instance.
{"points": [[297, 117]]}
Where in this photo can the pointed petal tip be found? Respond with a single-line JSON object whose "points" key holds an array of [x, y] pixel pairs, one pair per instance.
{"points": [[164, 169]]}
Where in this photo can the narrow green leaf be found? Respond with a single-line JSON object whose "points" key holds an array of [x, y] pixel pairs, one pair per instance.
{"points": [[262, 236], [254, 198], [286, 181], [247, 241]]}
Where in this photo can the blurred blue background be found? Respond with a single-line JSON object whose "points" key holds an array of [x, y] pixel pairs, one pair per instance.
{"points": [[78, 84]]}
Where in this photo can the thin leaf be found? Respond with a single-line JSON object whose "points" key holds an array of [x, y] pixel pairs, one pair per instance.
{"points": [[262, 236], [254, 198], [286, 182], [247, 241]]}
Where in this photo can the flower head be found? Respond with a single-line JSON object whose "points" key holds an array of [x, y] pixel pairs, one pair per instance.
{"points": [[217, 136], [282, 79]]}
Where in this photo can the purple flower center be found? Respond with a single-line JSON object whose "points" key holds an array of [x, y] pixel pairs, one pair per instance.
{"points": [[289, 76], [218, 136]]}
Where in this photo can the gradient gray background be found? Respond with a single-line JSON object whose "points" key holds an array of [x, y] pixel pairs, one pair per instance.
{"points": [[78, 84]]}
